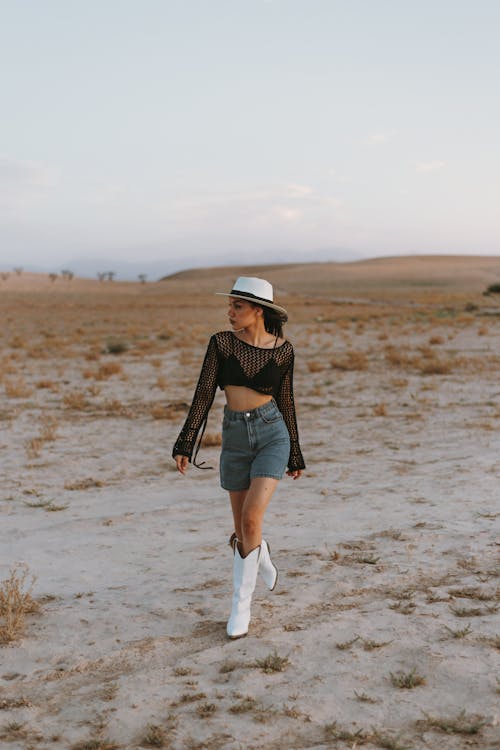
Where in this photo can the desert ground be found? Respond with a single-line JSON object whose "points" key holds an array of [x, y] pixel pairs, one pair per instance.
{"points": [[115, 573]]}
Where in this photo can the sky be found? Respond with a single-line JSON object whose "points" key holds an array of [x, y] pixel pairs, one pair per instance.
{"points": [[191, 131]]}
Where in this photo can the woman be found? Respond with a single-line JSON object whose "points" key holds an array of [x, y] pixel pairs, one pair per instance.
{"points": [[253, 364]]}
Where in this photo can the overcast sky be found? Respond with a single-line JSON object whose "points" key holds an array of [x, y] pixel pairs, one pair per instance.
{"points": [[160, 129]]}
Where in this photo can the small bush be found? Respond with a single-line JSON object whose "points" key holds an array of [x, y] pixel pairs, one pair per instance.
{"points": [[461, 724], [493, 289], [155, 736], [408, 680], [107, 369], [15, 603], [116, 346], [350, 361], [273, 663]]}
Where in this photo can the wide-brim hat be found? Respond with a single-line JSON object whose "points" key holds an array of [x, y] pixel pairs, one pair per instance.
{"points": [[255, 290]]}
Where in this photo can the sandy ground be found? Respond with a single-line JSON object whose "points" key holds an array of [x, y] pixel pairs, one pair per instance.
{"points": [[387, 547]]}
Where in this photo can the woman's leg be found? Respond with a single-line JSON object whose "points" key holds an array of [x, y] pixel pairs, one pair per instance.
{"points": [[237, 501], [248, 511]]}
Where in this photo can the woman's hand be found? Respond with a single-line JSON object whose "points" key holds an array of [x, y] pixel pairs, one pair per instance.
{"points": [[295, 474], [182, 463]]}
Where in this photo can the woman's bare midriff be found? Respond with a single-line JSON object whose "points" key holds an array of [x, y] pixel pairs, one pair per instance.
{"points": [[241, 398]]}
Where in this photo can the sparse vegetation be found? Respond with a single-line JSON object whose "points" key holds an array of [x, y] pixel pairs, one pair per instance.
{"points": [[349, 361], [273, 663], [243, 706], [459, 632], [206, 709], [16, 602], [463, 723], [493, 289], [116, 346], [155, 736], [95, 744], [407, 680], [345, 645]]}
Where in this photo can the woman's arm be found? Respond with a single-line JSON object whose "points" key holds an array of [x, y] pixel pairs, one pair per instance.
{"points": [[286, 405], [202, 401]]}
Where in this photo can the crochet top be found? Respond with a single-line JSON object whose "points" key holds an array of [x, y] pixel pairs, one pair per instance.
{"points": [[230, 361]]}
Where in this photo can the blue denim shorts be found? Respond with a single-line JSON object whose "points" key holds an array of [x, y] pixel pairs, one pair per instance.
{"points": [[254, 444]]}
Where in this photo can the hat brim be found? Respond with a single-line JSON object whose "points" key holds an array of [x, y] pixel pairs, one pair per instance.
{"points": [[255, 300]]}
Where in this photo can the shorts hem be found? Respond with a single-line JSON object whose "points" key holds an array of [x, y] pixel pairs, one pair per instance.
{"points": [[235, 489], [267, 476]]}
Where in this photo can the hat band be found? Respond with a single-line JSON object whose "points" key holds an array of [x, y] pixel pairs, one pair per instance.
{"points": [[251, 296]]}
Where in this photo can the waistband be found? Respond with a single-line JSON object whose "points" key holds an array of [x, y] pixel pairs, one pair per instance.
{"points": [[263, 410]]}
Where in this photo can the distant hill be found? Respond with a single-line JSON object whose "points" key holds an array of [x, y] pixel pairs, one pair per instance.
{"points": [[399, 275]]}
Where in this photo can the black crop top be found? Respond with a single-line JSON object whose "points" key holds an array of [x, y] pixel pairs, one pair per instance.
{"points": [[230, 361]]}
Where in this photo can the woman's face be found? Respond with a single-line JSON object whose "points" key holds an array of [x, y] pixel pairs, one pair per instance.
{"points": [[242, 314]]}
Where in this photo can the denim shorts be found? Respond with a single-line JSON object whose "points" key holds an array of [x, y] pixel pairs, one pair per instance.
{"points": [[254, 444]]}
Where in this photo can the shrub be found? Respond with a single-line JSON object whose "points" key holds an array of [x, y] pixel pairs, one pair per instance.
{"points": [[493, 289], [116, 346], [15, 603], [352, 360]]}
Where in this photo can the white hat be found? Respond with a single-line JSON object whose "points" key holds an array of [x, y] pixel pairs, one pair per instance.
{"points": [[254, 290]]}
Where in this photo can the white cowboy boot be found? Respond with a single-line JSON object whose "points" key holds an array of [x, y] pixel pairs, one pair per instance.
{"points": [[267, 568], [244, 577]]}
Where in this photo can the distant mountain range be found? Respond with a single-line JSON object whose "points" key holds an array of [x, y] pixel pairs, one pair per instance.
{"points": [[90, 267]]}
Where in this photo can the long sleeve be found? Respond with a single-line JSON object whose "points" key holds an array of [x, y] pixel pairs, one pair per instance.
{"points": [[286, 406], [202, 401]]}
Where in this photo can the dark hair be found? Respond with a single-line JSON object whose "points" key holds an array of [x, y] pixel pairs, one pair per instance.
{"points": [[273, 320]]}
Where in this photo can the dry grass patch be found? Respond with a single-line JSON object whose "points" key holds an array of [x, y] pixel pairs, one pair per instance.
{"points": [[182, 671], [365, 698], [16, 602], [107, 369], [314, 366], [462, 724], [272, 663], [75, 400], [116, 346], [192, 697], [50, 385], [48, 434], [404, 606], [472, 592], [13, 731], [371, 645], [245, 705], [155, 736], [345, 645], [459, 632], [473, 611], [17, 389], [407, 680], [350, 361], [433, 365], [83, 484], [211, 439], [161, 383], [361, 736], [48, 505], [229, 666], [9, 703], [436, 340], [95, 744], [206, 710]]}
